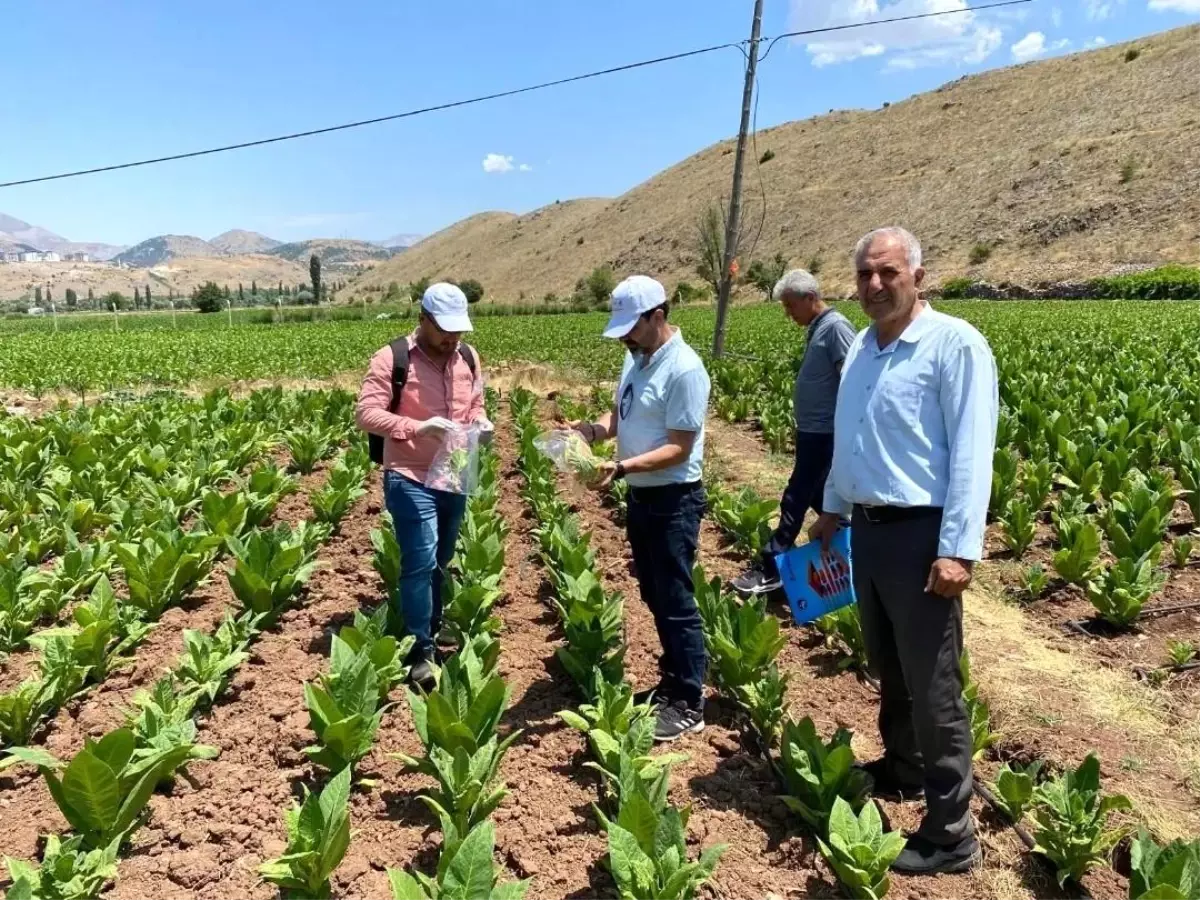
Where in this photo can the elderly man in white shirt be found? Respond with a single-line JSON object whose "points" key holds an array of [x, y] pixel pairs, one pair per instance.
{"points": [[914, 435]]}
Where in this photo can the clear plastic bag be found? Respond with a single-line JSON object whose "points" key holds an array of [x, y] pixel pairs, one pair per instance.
{"points": [[570, 453], [455, 468]]}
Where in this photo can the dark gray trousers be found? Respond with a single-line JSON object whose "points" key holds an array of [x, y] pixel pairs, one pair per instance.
{"points": [[914, 640]]}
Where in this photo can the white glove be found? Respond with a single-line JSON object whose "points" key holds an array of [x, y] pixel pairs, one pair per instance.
{"points": [[486, 431], [437, 423]]}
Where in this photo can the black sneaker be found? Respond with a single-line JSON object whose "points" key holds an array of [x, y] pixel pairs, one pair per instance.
{"points": [[655, 696], [677, 719], [886, 786], [921, 856], [422, 673], [758, 579]]}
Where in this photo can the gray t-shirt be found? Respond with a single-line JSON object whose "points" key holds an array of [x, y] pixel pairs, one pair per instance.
{"points": [[829, 338]]}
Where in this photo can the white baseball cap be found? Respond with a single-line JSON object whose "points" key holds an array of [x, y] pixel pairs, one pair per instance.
{"points": [[635, 295], [448, 306]]}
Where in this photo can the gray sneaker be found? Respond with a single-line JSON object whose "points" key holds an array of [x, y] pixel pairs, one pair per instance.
{"points": [[423, 675], [756, 580], [677, 719]]}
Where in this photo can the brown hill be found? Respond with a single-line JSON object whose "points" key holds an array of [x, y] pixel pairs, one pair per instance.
{"points": [[239, 241], [332, 251], [1060, 169]]}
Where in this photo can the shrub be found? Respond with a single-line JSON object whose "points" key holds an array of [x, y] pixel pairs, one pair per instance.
{"points": [[1132, 53], [957, 288], [1128, 170], [1173, 282], [596, 288], [416, 290], [766, 157], [471, 288], [979, 253], [763, 275], [685, 292], [814, 266], [208, 298]]}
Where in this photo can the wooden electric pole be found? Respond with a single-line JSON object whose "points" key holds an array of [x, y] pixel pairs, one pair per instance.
{"points": [[735, 195]]}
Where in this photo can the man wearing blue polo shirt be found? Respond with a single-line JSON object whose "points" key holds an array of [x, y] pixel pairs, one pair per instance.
{"points": [[658, 421]]}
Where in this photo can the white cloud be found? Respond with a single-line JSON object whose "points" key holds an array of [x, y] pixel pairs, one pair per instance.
{"points": [[951, 39], [1095, 42], [494, 162], [498, 164], [1187, 7], [1029, 47], [1099, 10]]}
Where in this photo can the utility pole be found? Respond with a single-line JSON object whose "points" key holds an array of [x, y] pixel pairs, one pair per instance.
{"points": [[735, 195]]}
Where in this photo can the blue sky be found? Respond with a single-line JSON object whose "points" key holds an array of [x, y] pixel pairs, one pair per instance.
{"points": [[92, 84]]}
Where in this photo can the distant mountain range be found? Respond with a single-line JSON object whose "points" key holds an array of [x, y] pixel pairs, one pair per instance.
{"points": [[17, 235], [14, 232]]}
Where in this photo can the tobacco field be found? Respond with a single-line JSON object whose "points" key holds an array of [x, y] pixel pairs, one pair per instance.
{"points": [[200, 693]]}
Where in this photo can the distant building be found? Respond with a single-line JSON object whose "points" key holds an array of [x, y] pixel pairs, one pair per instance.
{"points": [[31, 256], [51, 256], [77, 257], [10, 256], [36, 311]]}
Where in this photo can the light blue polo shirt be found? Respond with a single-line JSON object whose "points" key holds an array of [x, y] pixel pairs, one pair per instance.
{"points": [[669, 392]]}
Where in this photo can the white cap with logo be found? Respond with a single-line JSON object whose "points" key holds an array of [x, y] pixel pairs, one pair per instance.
{"points": [[635, 295], [448, 307]]}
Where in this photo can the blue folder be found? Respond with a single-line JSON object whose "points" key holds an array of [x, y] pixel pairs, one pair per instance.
{"points": [[817, 583]]}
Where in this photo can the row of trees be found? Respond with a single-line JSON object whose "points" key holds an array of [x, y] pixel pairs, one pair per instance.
{"points": [[414, 290]]}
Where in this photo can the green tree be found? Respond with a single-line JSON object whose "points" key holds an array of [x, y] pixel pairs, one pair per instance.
{"points": [[710, 245], [113, 300], [225, 292], [253, 288], [208, 298], [147, 295], [49, 296], [91, 296], [314, 274], [241, 295], [597, 287], [37, 296], [472, 288], [72, 299], [137, 297], [763, 274], [279, 293], [417, 289]]}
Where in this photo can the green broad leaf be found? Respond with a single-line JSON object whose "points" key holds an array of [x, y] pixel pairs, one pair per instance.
{"points": [[30, 755], [93, 793], [485, 712], [405, 887], [639, 819], [510, 890], [471, 873], [310, 824], [575, 720], [631, 868], [115, 749]]}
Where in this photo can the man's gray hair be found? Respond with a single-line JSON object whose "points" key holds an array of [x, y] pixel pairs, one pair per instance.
{"points": [[799, 282], [912, 247]]}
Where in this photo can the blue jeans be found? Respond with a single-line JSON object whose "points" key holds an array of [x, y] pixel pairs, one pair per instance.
{"points": [[427, 523], [663, 524]]}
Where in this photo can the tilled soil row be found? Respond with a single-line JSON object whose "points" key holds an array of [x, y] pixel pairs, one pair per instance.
{"points": [[206, 836], [26, 807]]}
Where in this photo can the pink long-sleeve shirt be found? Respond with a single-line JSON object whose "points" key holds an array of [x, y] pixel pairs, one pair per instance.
{"points": [[430, 391]]}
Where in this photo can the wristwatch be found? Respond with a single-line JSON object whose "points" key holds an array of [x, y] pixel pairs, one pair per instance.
{"points": [[619, 473]]}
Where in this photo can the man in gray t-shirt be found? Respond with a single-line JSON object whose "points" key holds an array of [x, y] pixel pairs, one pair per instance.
{"points": [[830, 335]]}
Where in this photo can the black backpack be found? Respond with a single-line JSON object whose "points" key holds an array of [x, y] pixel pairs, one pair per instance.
{"points": [[399, 378]]}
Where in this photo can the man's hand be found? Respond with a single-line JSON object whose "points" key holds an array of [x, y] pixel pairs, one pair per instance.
{"points": [[824, 529], [949, 577], [604, 476], [486, 430], [586, 430], [437, 423]]}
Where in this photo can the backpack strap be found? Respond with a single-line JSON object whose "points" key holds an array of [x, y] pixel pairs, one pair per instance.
{"points": [[468, 355], [400, 367], [399, 370]]}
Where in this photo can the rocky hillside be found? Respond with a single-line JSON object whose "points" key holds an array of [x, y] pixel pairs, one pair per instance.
{"points": [[1061, 169], [333, 252], [162, 249], [238, 241], [16, 235]]}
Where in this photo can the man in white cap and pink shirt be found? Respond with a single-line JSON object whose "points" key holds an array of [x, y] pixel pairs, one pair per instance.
{"points": [[658, 421], [417, 388]]}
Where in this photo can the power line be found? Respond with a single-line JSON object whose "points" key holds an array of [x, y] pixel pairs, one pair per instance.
{"points": [[740, 45]]}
